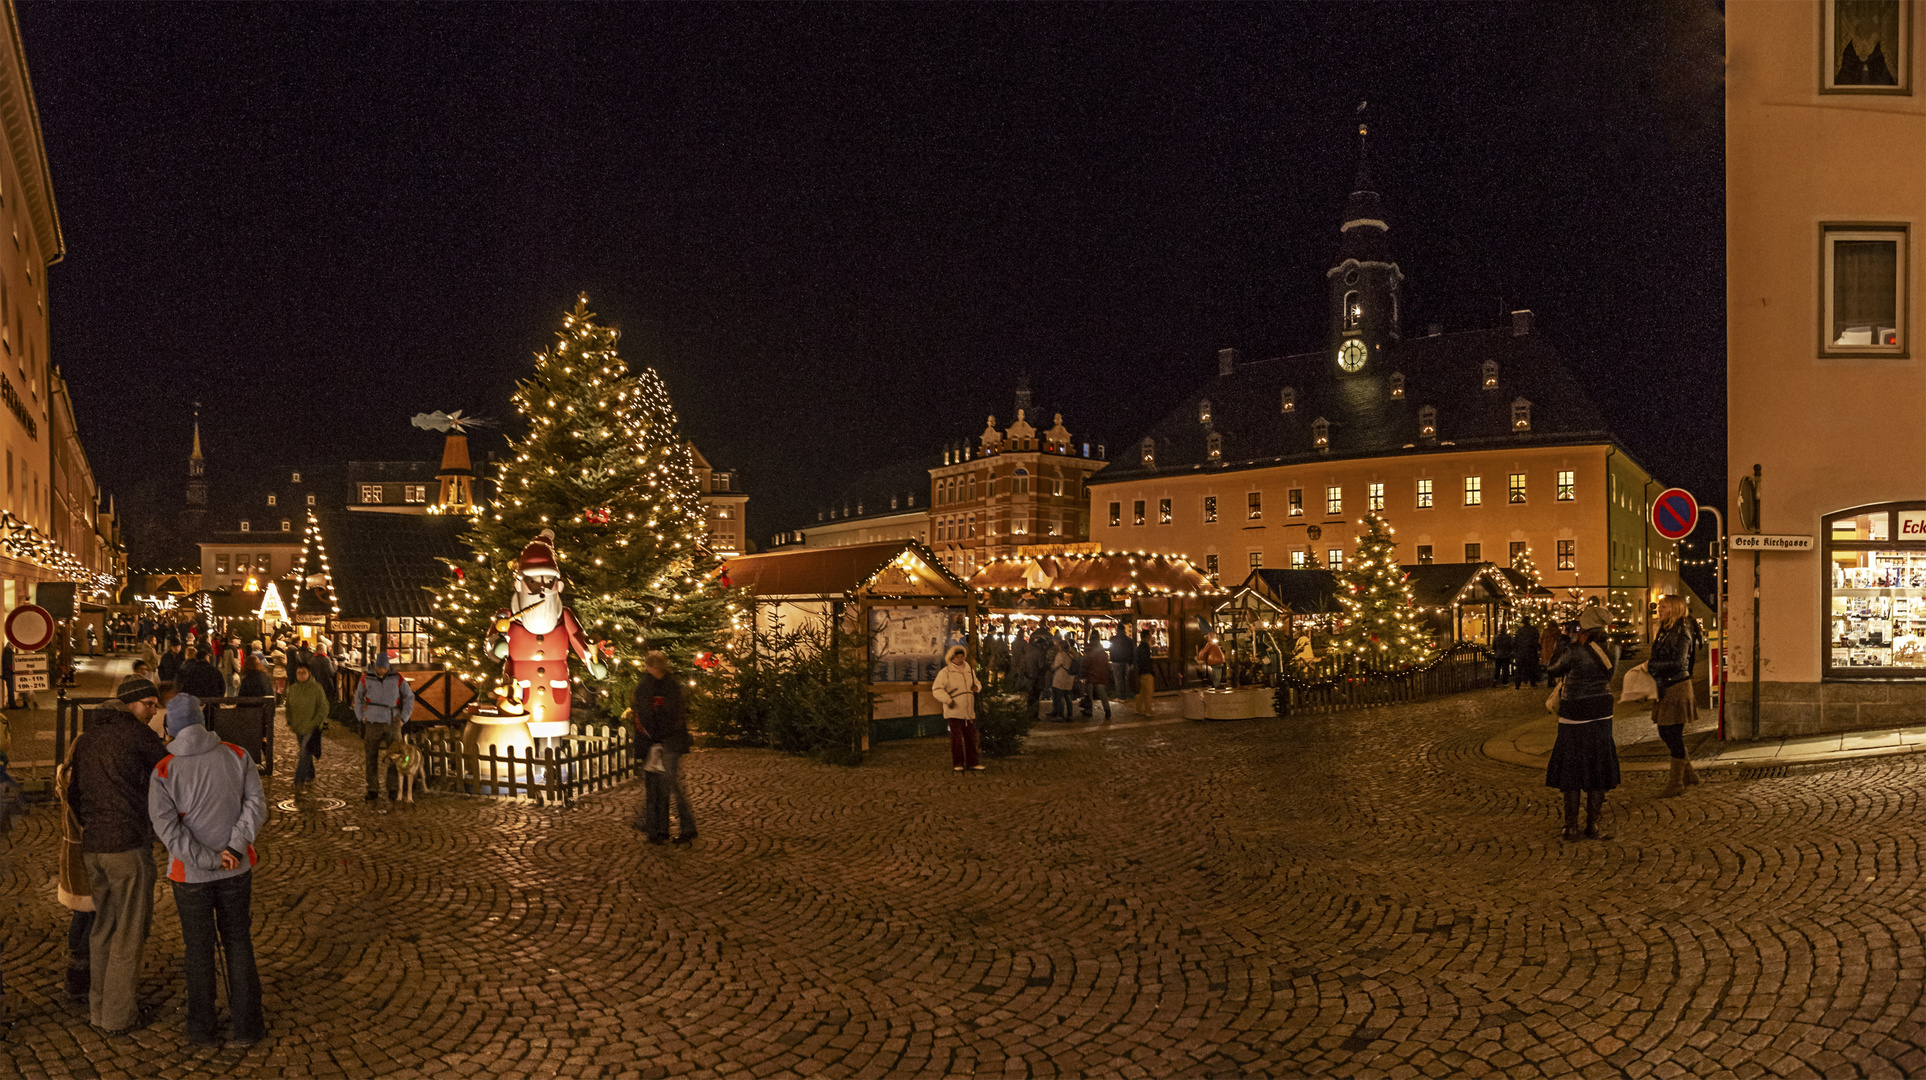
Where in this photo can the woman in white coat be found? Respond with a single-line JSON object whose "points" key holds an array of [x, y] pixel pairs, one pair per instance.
{"points": [[956, 686]]}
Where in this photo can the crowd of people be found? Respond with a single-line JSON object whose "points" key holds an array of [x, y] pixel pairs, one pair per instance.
{"points": [[1079, 675]]}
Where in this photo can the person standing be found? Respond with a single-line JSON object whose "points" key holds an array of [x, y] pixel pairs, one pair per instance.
{"points": [[1096, 674], [205, 804], [1502, 648], [169, 667], [255, 681], [112, 761], [1146, 675], [1063, 679], [1584, 759], [1674, 655], [322, 668], [307, 713], [200, 678], [72, 890], [1210, 655], [956, 686], [1043, 658], [383, 700], [1526, 661], [1122, 652], [660, 722]]}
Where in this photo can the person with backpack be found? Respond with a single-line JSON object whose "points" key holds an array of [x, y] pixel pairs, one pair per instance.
{"points": [[383, 701], [1674, 654]]}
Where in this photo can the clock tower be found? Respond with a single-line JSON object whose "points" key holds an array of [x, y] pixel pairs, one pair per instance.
{"points": [[1364, 283]]}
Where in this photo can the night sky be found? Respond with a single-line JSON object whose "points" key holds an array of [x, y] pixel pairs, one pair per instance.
{"points": [[842, 232]]}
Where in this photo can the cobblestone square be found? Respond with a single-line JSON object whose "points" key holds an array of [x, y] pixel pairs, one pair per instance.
{"points": [[1365, 894]]}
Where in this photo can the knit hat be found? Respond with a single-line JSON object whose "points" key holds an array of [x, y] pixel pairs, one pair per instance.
{"points": [[183, 712], [539, 555], [132, 690], [380, 661]]}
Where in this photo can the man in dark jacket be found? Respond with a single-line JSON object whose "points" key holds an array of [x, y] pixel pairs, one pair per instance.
{"points": [[171, 661], [321, 670], [200, 678], [660, 722], [1525, 664], [1146, 674], [111, 763]]}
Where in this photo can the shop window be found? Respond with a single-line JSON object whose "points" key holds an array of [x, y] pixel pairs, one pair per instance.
{"points": [[1300, 560], [1215, 446], [1137, 512], [1287, 399], [1333, 500], [1163, 511], [1568, 554], [1517, 494], [1875, 566], [1295, 502], [1424, 494], [1254, 505], [1474, 490], [1210, 510], [1865, 47], [1116, 514], [1864, 268], [1374, 497], [1337, 559], [1424, 554], [1474, 553], [1257, 559], [1567, 485], [1518, 553], [1210, 567]]}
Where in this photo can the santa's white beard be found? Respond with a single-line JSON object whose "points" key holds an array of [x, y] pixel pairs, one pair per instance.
{"points": [[544, 615]]}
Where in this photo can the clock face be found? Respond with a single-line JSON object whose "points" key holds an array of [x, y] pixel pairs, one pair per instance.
{"points": [[1351, 355]]}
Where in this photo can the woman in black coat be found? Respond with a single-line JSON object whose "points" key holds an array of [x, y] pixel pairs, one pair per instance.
{"points": [[1525, 663], [1585, 757], [1501, 655]]}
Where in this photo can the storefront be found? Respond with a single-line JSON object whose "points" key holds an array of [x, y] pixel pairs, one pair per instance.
{"points": [[1875, 592]]}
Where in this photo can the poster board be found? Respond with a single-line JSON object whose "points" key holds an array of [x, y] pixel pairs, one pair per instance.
{"points": [[906, 644], [1159, 631]]}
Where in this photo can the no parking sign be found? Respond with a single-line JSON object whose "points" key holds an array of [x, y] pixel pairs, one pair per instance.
{"points": [[1675, 513]]}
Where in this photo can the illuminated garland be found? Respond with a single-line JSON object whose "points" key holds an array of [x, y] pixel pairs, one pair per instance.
{"points": [[311, 539], [1380, 624], [1364, 676], [22, 541], [1178, 563]]}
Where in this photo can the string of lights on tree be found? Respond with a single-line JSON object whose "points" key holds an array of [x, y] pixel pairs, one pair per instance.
{"points": [[313, 543], [1380, 626], [604, 465]]}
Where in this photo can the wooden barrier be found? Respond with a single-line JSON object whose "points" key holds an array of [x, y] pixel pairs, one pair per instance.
{"points": [[1463, 668], [597, 758]]}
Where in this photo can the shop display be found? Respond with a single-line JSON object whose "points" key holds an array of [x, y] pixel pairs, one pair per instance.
{"points": [[1878, 616]]}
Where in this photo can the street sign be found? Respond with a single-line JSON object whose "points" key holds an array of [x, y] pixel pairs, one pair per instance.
{"points": [[1675, 513], [29, 628], [1770, 542], [30, 663]]}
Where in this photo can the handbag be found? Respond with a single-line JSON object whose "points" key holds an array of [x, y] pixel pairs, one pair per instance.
{"points": [[1639, 685], [1551, 700], [656, 762]]}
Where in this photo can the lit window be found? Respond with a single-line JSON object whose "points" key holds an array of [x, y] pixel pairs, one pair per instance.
{"points": [[371, 493], [270, 500], [1210, 567], [1294, 502], [1374, 497], [1203, 411], [1490, 374], [1864, 290], [1116, 514], [297, 478], [414, 493], [1567, 555], [310, 500], [1257, 559], [1336, 556], [1300, 559], [1424, 494], [1321, 433], [1424, 554], [1137, 512], [972, 525], [1353, 311], [1866, 48], [220, 564], [1334, 500], [1215, 446], [1474, 553], [1428, 421], [1254, 504], [1210, 510], [1567, 487], [1287, 399], [245, 526], [1149, 453], [1521, 415], [1474, 490], [1163, 511], [1397, 384], [1517, 552], [284, 524], [1517, 487]]}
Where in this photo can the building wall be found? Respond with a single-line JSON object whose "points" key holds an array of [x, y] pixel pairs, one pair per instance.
{"points": [[908, 525], [1830, 433], [221, 561], [978, 510]]}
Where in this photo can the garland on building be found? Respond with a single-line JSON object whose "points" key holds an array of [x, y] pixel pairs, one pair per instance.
{"points": [[1380, 626], [605, 467]]}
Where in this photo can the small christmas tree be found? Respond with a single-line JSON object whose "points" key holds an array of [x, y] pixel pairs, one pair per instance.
{"points": [[604, 465], [1379, 625], [1527, 602]]}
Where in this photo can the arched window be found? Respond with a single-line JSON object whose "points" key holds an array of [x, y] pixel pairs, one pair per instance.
{"points": [[1020, 482], [1521, 415], [1287, 399], [1353, 311], [1216, 444]]}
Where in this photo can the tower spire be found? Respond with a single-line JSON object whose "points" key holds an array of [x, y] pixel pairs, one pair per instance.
{"points": [[1363, 181], [1364, 283], [196, 455]]}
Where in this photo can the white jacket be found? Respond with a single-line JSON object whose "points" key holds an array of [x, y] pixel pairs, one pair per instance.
{"points": [[956, 687]]}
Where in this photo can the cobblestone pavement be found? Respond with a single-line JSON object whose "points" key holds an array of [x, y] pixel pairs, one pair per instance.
{"points": [[1363, 894]]}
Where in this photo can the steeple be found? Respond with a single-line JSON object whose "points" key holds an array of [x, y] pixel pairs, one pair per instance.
{"points": [[194, 510], [1364, 283], [196, 463]]}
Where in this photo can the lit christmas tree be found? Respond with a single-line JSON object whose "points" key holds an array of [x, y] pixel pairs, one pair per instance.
{"points": [[605, 467], [1379, 625], [1527, 601]]}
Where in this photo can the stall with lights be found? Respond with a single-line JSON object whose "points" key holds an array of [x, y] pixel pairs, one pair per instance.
{"points": [[898, 595], [1276, 614], [1161, 596]]}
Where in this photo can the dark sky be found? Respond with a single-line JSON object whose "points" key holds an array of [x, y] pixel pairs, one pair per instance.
{"points": [[841, 232]]}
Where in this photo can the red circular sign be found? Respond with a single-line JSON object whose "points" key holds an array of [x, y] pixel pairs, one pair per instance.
{"points": [[30, 627], [1675, 513]]}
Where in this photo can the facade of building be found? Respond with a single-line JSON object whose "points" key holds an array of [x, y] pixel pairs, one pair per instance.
{"points": [[79, 524], [1825, 198], [724, 506], [1477, 447]]}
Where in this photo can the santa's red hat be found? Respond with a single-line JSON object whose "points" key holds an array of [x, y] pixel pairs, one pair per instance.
{"points": [[539, 555]]}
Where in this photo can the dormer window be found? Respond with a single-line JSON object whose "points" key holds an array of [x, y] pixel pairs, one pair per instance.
{"points": [[1521, 415], [892, 502], [1321, 433], [284, 524], [1428, 422], [1149, 453], [246, 526], [1491, 374], [270, 500], [1216, 446], [1397, 384], [1353, 311], [297, 478], [1288, 399], [1203, 411]]}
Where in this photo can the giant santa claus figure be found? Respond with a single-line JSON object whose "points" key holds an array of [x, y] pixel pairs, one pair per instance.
{"points": [[535, 637]]}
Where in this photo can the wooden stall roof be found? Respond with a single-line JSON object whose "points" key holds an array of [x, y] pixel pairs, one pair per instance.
{"points": [[894, 567], [1300, 592], [1123, 573], [1439, 585]]}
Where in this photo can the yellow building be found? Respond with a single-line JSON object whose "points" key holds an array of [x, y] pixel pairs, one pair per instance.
{"points": [[1478, 447], [1825, 190], [724, 505]]}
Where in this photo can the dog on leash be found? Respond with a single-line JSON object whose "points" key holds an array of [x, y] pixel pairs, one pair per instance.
{"points": [[406, 759]]}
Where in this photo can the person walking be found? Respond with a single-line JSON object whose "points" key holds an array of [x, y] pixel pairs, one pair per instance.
{"points": [[205, 804], [660, 722], [229, 663], [1525, 660], [307, 714], [1584, 758], [322, 668], [169, 668], [383, 701], [200, 678], [956, 686], [255, 681], [1146, 675], [1210, 656], [1096, 674], [112, 761], [1063, 679], [1674, 655]]}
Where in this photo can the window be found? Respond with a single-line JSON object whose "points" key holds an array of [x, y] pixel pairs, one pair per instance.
{"points": [[1489, 371], [1149, 453], [1428, 422], [1214, 446], [1257, 559], [972, 525], [970, 489], [1337, 559], [1254, 501], [1474, 553], [270, 500], [263, 564], [1210, 566], [371, 493], [1424, 494], [1203, 411], [220, 564], [245, 525], [1300, 559], [1210, 510], [1137, 512], [297, 478], [1568, 554], [1374, 497], [722, 481], [1517, 487], [1864, 268], [1567, 487], [1056, 488], [1397, 384], [284, 524], [1518, 552], [1287, 400], [1020, 483], [1474, 490], [310, 500], [1321, 433], [1163, 511], [1333, 500], [1295, 502], [1521, 415], [1353, 311], [1116, 514], [1865, 47], [241, 563], [1424, 554]]}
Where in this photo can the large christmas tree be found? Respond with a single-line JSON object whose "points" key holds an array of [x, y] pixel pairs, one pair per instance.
{"points": [[1379, 626], [604, 465]]}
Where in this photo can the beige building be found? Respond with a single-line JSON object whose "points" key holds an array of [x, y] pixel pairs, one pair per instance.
{"points": [[724, 506], [1825, 194]]}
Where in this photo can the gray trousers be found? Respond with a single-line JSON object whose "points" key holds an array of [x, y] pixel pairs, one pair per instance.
{"points": [[122, 883], [658, 791]]}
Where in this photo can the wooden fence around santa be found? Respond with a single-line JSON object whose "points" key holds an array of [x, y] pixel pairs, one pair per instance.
{"points": [[595, 759], [1463, 668]]}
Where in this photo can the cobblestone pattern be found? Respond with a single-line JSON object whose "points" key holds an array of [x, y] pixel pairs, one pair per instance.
{"points": [[1360, 895]]}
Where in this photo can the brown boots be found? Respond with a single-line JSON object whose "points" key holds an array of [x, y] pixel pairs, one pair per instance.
{"points": [[1675, 785], [1691, 774]]}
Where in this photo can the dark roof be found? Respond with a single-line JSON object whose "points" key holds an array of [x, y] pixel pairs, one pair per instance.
{"points": [[1298, 591], [1438, 584], [384, 564], [391, 471], [904, 481], [1443, 371]]}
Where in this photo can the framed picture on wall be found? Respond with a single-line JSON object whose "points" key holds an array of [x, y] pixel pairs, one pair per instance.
{"points": [[1865, 47]]}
